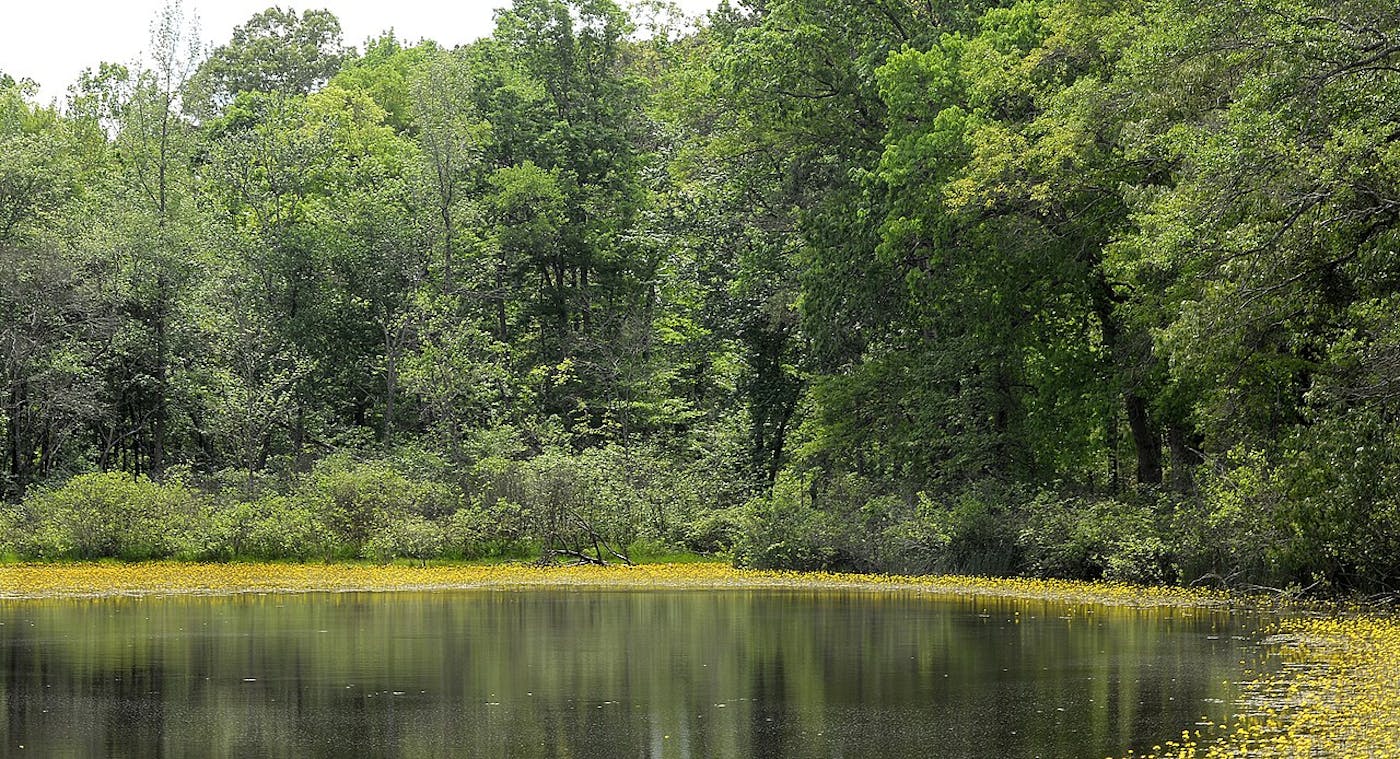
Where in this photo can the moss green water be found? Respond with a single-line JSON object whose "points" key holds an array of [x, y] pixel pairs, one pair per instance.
{"points": [[593, 672], [1337, 692]]}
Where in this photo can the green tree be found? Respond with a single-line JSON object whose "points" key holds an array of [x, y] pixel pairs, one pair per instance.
{"points": [[452, 136], [1266, 260], [275, 51], [143, 228], [51, 332], [592, 275]]}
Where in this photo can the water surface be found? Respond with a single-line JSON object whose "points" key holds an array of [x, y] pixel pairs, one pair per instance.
{"points": [[600, 674]]}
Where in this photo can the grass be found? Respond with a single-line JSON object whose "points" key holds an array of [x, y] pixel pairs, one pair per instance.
{"points": [[1338, 695]]}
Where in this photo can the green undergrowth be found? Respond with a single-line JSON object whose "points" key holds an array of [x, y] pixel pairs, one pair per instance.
{"points": [[615, 503]]}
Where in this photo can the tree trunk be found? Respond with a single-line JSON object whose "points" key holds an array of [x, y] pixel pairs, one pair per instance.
{"points": [[12, 434], [447, 254], [391, 379], [1144, 431], [1115, 479], [158, 422], [1146, 440], [501, 300], [1185, 457]]}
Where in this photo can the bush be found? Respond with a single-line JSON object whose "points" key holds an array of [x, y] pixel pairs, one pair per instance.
{"points": [[857, 515], [353, 499], [12, 531], [558, 498], [407, 536], [346, 508], [478, 531], [1096, 538], [271, 527], [1317, 509], [713, 532], [784, 531], [920, 543], [623, 493], [111, 515], [971, 532], [1233, 529], [1339, 481]]}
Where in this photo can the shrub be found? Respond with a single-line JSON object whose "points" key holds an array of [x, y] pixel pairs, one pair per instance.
{"points": [[919, 544], [973, 531], [111, 515], [1317, 509], [407, 536], [353, 499], [1096, 538], [272, 527], [1232, 530], [1339, 479], [13, 529], [568, 501], [857, 514], [478, 531], [784, 531], [713, 532]]}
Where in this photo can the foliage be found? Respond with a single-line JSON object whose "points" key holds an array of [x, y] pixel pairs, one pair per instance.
{"points": [[109, 515], [1098, 539], [356, 500], [784, 530], [1066, 287], [498, 528], [406, 537], [274, 51], [966, 533], [271, 527]]}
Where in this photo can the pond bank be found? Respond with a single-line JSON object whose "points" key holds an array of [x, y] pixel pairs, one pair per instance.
{"points": [[1337, 693], [29, 581]]}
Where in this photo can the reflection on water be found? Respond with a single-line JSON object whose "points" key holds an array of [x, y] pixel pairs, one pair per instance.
{"points": [[600, 674]]}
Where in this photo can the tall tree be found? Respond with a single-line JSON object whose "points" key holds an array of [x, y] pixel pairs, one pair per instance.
{"points": [[1266, 265], [590, 278], [148, 232], [452, 137], [275, 51], [1006, 179], [49, 333]]}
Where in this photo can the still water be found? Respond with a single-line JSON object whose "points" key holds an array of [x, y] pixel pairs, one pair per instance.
{"points": [[601, 674]]}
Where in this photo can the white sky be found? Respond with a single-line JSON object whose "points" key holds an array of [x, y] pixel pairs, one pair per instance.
{"points": [[52, 41]]}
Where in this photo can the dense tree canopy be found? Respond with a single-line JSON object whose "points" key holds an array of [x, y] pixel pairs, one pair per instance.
{"points": [[1071, 287]]}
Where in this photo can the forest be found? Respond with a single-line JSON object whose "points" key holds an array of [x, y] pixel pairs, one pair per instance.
{"points": [[1103, 289]]}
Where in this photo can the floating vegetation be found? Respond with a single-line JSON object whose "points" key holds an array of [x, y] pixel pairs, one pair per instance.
{"points": [[1336, 695], [27, 581]]}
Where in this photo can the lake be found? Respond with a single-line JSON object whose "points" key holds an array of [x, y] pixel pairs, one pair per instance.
{"points": [[598, 674]]}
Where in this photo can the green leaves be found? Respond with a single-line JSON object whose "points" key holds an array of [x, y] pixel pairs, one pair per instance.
{"points": [[894, 264], [276, 51]]}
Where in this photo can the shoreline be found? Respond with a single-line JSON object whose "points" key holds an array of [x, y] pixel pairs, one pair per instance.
{"points": [[38, 581]]}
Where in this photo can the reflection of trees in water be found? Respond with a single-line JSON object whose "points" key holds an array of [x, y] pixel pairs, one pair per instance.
{"points": [[588, 673]]}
